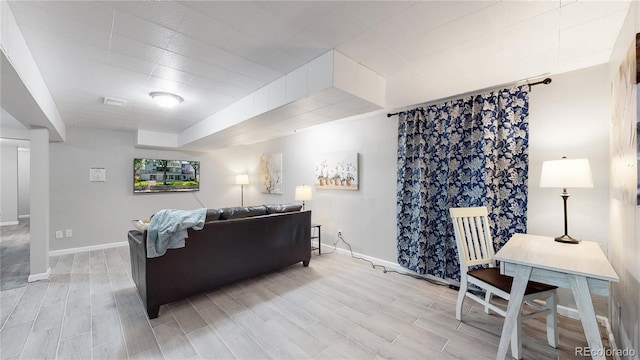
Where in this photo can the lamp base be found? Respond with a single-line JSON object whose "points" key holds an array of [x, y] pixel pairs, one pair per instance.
{"points": [[567, 239]]}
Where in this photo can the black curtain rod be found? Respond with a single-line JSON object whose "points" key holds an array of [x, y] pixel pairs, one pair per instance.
{"points": [[546, 81]]}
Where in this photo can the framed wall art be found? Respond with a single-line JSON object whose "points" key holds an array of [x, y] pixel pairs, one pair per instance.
{"points": [[337, 171], [158, 175], [271, 173], [624, 151]]}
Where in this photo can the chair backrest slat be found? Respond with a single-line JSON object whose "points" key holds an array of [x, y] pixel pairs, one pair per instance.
{"points": [[483, 230], [473, 236], [477, 238]]}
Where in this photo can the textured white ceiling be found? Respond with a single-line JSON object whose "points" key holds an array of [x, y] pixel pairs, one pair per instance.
{"points": [[214, 53]]}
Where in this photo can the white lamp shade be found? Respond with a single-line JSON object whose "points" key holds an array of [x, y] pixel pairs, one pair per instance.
{"points": [[566, 173], [303, 193], [242, 179]]}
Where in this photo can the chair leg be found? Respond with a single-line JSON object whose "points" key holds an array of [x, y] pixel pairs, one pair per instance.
{"points": [[488, 295], [461, 295], [516, 340], [552, 320]]}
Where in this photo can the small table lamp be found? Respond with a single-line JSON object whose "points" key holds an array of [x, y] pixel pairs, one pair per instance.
{"points": [[303, 192], [566, 173], [242, 180]]}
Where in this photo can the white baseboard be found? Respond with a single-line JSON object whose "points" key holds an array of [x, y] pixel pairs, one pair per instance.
{"points": [[391, 265], [603, 320], [573, 314], [41, 276], [87, 248], [7, 223], [627, 344], [24, 216]]}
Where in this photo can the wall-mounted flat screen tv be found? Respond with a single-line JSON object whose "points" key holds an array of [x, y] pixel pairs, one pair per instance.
{"points": [[155, 176]]}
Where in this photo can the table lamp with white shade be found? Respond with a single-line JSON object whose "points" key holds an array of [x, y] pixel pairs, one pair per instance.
{"points": [[566, 173], [303, 193], [242, 180]]}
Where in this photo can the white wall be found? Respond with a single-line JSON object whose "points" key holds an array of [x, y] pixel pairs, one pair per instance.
{"points": [[15, 182], [101, 212], [9, 185], [624, 229], [367, 217], [24, 182], [40, 204], [570, 117]]}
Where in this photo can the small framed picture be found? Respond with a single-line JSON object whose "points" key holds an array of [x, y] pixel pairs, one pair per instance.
{"points": [[97, 174]]}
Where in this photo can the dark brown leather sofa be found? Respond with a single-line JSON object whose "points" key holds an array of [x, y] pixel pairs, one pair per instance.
{"points": [[235, 244]]}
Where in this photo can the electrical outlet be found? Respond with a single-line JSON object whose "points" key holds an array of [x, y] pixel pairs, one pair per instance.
{"points": [[339, 232], [68, 233], [59, 234]]}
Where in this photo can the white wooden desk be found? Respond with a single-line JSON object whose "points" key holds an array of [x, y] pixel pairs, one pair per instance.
{"points": [[582, 267]]}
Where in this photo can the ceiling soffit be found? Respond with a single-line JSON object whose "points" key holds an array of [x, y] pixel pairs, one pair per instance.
{"points": [[328, 88]]}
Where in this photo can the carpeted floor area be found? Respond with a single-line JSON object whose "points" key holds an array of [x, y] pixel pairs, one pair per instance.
{"points": [[14, 255]]}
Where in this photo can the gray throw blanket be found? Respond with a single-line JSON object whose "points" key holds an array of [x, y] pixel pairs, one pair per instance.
{"points": [[168, 229]]}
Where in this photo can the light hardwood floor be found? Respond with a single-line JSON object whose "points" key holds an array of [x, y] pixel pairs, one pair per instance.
{"points": [[337, 308]]}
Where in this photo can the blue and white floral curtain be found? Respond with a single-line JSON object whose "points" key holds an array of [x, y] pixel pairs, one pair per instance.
{"points": [[467, 152]]}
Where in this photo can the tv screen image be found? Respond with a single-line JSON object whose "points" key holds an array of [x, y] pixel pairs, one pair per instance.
{"points": [[155, 175]]}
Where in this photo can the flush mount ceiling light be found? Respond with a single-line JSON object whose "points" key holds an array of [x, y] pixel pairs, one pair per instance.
{"points": [[166, 100]]}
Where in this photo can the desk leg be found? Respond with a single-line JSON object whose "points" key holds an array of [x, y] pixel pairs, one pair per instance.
{"points": [[520, 280], [582, 296]]}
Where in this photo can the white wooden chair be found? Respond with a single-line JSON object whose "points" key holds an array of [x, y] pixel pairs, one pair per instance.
{"points": [[475, 248]]}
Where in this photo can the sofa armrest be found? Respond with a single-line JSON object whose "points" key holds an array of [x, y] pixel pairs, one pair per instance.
{"points": [[138, 257], [136, 236], [137, 244]]}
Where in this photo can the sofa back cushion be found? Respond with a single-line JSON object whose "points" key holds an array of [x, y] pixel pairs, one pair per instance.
{"points": [[282, 208], [212, 215], [242, 212]]}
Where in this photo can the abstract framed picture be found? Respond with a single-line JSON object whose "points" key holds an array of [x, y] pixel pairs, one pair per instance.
{"points": [[337, 171], [624, 151], [271, 173]]}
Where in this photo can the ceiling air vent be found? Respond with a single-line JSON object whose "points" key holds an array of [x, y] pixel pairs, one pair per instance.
{"points": [[114, 102]]}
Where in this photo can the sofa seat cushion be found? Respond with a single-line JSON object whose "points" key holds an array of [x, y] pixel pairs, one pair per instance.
{"points": [[242, 212]]}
